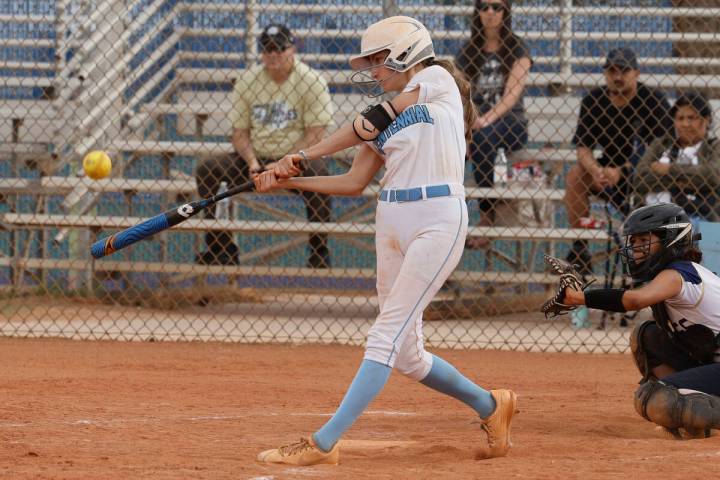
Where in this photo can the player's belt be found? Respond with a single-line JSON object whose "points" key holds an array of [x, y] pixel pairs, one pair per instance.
{"points": [[415, 194]]}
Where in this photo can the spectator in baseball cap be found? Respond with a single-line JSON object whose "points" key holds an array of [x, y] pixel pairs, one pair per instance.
{"points": [[621, 119], [279, 106], [621, 58], [276, 38]]}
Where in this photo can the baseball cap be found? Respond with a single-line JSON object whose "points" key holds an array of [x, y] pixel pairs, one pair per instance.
{"points": [[621, 58], [276, 35], [694, 100]]}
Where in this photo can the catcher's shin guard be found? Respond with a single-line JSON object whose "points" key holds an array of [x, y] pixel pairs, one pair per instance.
{"points": [[638, 351], [664, 405]]}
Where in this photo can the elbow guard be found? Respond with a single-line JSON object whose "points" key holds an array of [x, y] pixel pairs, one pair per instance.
{"points": [[373, 120]]}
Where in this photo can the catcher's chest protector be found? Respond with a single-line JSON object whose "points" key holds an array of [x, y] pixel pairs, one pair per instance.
{"points": [[700, 342]]}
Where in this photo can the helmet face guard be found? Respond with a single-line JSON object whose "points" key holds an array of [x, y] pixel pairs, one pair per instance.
{"points": [[368, 85], [666, 221], [648, 265]]}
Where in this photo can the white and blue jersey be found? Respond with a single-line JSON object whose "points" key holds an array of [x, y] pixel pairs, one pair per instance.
{"points": [[425, 144], [698, 302]]}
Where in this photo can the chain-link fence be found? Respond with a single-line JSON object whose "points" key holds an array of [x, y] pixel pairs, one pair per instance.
{"points": [[586, 110]]}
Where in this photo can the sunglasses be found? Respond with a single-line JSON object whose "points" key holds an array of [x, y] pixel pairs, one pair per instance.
{"points": [[274, 48], [486, 7]]}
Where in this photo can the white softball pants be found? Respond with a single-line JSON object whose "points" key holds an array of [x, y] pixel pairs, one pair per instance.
{"points": [[418, 245]]}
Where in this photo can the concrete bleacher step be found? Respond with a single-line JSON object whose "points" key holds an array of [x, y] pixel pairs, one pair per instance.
{"points": [[207, 149], [551, 120], [299, 227]]}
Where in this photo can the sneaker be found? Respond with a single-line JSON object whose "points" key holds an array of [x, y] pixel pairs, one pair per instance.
{"points": [[497, 425], [302, 453]]}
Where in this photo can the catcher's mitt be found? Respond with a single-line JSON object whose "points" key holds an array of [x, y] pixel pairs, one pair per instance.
{"points": [[569, 277]]}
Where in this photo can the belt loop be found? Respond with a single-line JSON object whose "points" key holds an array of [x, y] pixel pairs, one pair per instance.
{"points": [[423, 192]]}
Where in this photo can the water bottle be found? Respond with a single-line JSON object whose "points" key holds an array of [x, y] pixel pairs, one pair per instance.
{"points": [[222, 209], [579, 317], [500, 170]]}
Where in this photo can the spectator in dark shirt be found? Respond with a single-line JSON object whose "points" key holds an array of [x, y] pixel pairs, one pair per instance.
{"points": [[621, 118], [684, 167], [497, 63]]}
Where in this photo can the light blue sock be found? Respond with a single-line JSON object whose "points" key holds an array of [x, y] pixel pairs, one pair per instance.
{"points": [[445, 378], [369, 381]]}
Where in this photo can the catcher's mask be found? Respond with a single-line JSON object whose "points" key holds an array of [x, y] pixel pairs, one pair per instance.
{"points": [[407, 42], [670, 224]]}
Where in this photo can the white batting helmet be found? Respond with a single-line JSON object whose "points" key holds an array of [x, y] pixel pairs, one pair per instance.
{"points": [[407, 39]]}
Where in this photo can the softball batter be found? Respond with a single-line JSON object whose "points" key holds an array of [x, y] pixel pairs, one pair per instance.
{"points": [[421, 223]]}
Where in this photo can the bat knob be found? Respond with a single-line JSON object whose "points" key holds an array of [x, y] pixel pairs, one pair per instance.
{"points": [[102, 247], [98, 249]]}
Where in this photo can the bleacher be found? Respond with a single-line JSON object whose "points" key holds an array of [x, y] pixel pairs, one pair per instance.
{"points": [[155, 95]]}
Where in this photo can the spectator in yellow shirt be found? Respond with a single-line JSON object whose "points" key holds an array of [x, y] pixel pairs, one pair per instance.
{"points": [[279, 106]]}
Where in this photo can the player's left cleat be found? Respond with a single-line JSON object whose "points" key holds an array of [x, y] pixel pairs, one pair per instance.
{"points": [[302, 453], [497, 425]]}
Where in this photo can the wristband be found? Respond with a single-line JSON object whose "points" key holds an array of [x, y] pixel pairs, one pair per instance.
{"points": [[608, 299]]}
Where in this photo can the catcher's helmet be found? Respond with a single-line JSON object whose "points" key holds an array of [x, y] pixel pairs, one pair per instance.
{"points": [[407, 41], [671, 224]]}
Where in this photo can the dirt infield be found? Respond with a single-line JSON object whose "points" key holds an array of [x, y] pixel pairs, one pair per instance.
{"points": [[108, 410]]}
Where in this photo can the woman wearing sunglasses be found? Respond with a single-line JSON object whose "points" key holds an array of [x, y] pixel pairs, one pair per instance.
{"points": [[497, 63]]}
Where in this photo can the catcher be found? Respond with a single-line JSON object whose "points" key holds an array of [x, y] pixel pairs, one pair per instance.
{"points": [[678, 353]]}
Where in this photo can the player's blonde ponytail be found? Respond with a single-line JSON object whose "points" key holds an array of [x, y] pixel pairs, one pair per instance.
{"points": [[469, 112]]}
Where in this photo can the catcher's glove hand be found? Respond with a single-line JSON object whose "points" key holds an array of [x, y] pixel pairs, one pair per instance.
{"points": [[569, 277]]}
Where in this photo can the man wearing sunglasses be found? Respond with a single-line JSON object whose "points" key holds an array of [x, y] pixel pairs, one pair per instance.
{"points": [[621, 118], [278, 107]]}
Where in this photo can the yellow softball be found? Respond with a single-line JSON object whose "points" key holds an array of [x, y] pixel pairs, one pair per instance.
{"points": [[97, 164]]}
